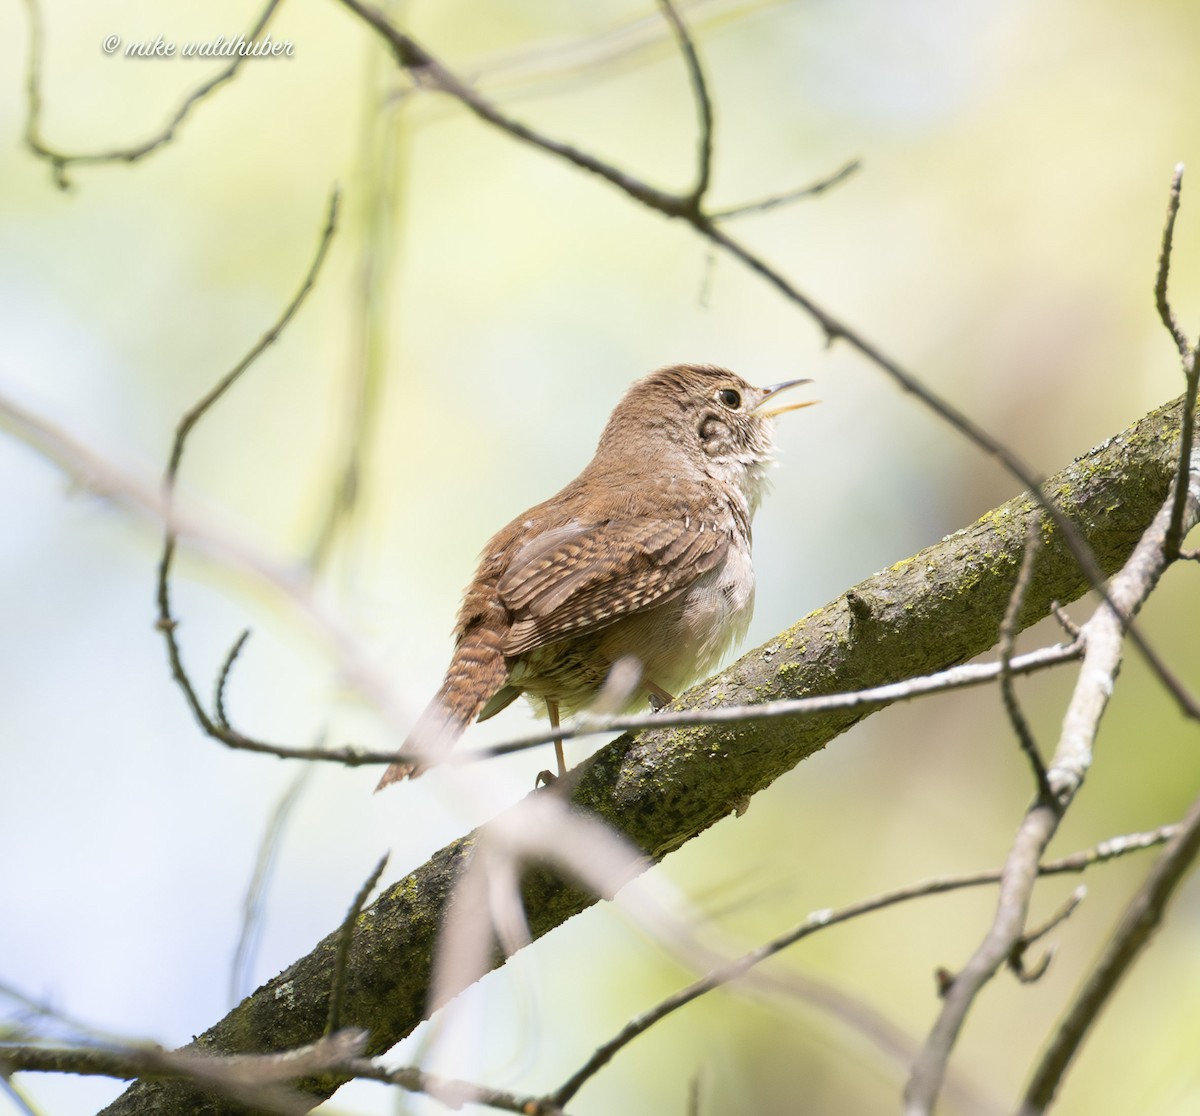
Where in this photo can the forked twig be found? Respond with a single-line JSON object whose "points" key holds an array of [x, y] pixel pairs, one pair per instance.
{"points": [[1009, 627], [165, 622], [61, 160]]}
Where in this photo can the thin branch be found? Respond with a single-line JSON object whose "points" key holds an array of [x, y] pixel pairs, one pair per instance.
{"points": [[450, 1091], [954, 678], [1009, 627], [219, 714], [1027, 974], [704, 109], [812, 190], [345, 939], [1161, 299], [1175, 532], [60, 160], [1064, 620], [1103, 634], [429, 73], [201, 408], [165, 622], [1189, 354], [819, 920], [1133, 933]]}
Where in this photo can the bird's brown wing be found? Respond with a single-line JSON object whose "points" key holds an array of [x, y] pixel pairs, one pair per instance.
{"points": [[586, 576]]}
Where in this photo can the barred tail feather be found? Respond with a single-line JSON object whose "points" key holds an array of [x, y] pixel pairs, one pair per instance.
{"points": [[476, 672]]}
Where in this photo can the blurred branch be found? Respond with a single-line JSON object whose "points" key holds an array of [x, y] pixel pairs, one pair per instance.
{"points": [[345, 937], [526, 71], [264, 865], [60, 160], [381, 198], [20, 1100], [128, 490], [664, 786], [259, 1081], [1104, 635]]}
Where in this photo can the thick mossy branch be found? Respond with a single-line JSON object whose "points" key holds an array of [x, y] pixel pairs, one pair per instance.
{"points": [[664, 786]]}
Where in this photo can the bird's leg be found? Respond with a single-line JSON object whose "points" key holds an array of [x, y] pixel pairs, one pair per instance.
{"points": [[658, 696], [552, 713], [548, 777]]}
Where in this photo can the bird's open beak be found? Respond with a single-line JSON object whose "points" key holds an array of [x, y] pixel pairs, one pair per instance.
{"points": [[774, 390]]}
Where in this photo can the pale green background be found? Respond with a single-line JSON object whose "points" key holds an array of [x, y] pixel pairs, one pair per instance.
{"points": [[1000, 241]]}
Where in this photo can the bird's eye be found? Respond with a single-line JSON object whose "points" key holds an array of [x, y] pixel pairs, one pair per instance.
{"points": [[730, 397]]}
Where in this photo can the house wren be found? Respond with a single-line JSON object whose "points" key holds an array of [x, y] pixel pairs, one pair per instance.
{"points": [[644, 556]]}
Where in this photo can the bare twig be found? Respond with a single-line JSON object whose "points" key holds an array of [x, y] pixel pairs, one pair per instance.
{"points": [[1133, 932], [954, 678], [812, 190], [1189, 354], [219, 714], [452, 1092], [704, 109], [1102, 655], [819, 920], [345, 939], [166, 622], [60, 160], [429, 73], [1027, 974], [1161, 299], [1064, 620], [1009, 627], [1176, 532]]}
